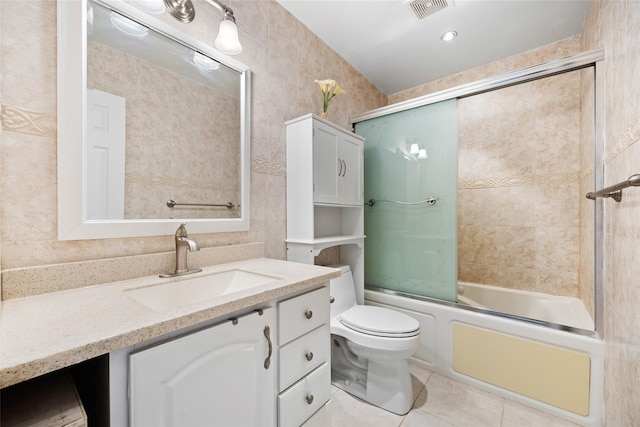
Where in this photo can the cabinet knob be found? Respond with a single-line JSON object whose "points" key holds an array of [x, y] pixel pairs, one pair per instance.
{"points": [[309, 356], [332, 300], [308, 314], [310, 399]]}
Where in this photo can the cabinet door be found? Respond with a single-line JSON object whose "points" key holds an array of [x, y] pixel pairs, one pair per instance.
{"points": [[350, 154], [326, 167], [214, 377]]}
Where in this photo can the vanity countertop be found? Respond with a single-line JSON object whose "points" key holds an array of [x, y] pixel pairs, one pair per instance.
{"points": [[44, 333]]}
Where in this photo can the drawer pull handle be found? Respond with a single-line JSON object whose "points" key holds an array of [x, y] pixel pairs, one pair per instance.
{"points": [[310, 399], [309, 356], [308, 314], [267, 361]]}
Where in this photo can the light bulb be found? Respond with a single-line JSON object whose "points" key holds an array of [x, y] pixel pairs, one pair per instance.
{"points": [[128, 26], [414, 149], [422, 154], [204, 62], [227, 40], [155, 7]]}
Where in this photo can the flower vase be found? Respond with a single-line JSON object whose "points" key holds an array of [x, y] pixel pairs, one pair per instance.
{"points": [[325, 115]]}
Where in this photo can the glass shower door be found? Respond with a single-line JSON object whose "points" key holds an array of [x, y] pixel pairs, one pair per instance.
{"points": [[410, 179]]}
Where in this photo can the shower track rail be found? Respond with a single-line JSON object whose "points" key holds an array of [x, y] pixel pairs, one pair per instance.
{"points": [[615, 191], [430, 201]]}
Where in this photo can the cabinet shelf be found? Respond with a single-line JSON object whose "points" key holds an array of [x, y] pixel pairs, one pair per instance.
{"points": [[319, 243]]}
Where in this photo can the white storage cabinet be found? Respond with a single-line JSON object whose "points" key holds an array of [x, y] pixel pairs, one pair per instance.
{"points": [[337, 166], [224, 375], [325, 197]]}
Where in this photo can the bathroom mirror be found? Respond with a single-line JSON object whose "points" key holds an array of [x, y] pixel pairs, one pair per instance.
{"points": [[153, 127]]}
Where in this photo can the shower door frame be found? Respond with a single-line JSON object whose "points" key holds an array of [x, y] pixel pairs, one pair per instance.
{"points": [[592, 58]]}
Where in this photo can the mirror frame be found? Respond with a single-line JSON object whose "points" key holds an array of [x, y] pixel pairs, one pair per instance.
{"points": [[72, 85]]}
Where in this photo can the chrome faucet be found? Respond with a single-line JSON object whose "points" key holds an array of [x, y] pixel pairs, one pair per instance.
{"points": [[183, 245]]}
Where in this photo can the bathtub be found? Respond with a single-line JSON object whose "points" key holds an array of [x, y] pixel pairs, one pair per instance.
{"points": [[553, 370], [533, 305]]}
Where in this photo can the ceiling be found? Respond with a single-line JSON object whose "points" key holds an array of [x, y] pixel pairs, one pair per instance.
{"points": [[388, 44]]}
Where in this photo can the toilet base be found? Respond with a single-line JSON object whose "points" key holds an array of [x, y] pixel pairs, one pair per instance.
{"points": [[386, 385]]}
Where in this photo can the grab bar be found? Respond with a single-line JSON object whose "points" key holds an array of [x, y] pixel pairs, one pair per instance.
{"points": [[615, 191], [227, 205], [430, 201]]}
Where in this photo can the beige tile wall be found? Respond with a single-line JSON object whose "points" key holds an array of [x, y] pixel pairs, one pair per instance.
{"points": [[560, 49], [519, 188], [285, 58], [615, 25]]}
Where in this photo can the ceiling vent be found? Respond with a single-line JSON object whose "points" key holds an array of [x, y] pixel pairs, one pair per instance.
{"points": [[423, 9]]}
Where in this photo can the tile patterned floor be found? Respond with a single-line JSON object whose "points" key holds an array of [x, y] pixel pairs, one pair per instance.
{"points": [[441, 402]]}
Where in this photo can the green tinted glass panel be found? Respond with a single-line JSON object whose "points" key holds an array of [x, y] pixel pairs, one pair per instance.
{"points": [[411, 246]]}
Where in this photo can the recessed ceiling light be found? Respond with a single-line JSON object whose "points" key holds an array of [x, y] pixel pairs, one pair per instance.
{"points": [[449, 35]]}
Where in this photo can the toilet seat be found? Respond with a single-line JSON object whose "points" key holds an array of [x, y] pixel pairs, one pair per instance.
{"points": [[380, 322]]}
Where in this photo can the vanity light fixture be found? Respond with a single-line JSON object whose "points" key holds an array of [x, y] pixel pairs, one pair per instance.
{"points": [[227, 40], [154, 7], [128, 26], [449, 35]]}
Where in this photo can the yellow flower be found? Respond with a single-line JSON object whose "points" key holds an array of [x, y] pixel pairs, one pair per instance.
{"points": [[329, 89]]}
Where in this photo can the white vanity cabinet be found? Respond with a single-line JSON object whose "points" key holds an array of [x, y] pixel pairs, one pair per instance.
{"points": [[304, 382], [224, 375], [325, 200]]}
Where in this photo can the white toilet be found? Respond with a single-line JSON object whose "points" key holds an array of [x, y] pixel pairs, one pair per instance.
{"points": [[371, 347]]}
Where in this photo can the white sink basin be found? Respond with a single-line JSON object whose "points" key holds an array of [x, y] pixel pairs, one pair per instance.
{"points": [[176, 294]]}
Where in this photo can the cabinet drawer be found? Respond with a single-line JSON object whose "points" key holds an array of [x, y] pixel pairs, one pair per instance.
{"points": [[322, 417], [303, 355], [303, 399], [299, 315]]}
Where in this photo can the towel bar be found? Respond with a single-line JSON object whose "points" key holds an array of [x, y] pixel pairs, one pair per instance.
{"points": [[615, 191]]}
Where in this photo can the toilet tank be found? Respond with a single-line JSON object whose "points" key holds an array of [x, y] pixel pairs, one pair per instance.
{"points": [[342, 291]]}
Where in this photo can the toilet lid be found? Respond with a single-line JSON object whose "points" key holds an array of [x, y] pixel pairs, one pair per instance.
{"points": [[380, 321]]}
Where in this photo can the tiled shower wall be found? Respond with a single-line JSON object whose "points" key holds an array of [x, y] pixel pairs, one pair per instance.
{"points": [[508, 187], [285, 58], [518, 186], [615, 25]]}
